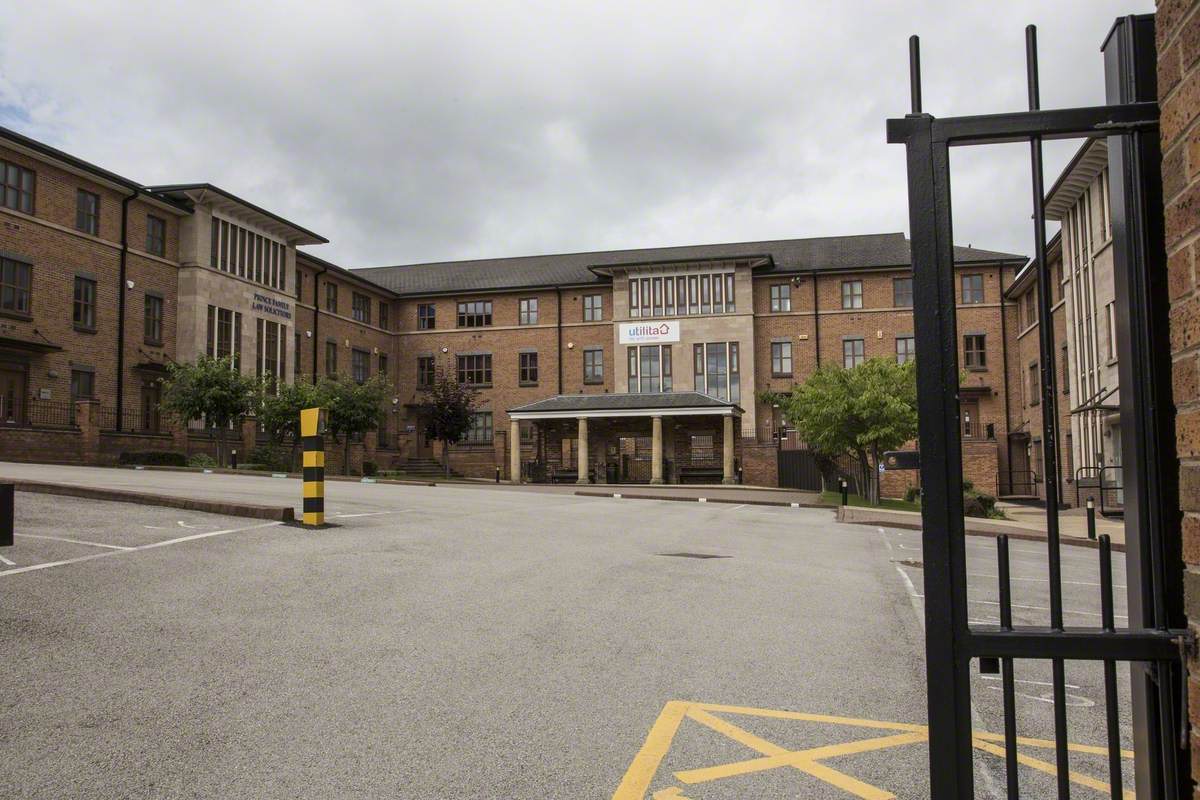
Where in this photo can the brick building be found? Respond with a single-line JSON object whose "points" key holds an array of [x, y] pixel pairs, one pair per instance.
{"points": [[105, 281]]}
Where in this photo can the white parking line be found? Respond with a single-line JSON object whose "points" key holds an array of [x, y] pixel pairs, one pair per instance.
{"points": [[64, 562], [372, 514], [4, 560], [183, 524], [73, 541], [735, 508], [1041, 580]]}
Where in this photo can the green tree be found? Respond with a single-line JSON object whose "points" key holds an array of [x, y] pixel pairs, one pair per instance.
{"points": [[864, 411], [279, 406], [211, 389], [352, 408], [451, 407]]}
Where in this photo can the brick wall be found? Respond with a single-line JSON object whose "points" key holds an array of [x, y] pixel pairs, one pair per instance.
{"points": [[1178, 34]]}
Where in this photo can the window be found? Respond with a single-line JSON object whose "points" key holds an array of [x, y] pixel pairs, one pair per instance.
{"points": [[906, 349], [156, 235], [83, 384], [224, 334], [296, 355], [781, 359], [426, 371], [658, 297], [360, 307], [84, 314], [1031, 309], [17, 187], [152, 329], [1066, 370], [270, 351], [649, 368], [975, 351], [475, 369], [360, 365], [527, 314], [476, 314], [650, 378], [1110, 321], [331, 297], [972, 289], [702, 447], [781, 297], [1103, 189], [902, 293], [593, 307], [593, 365], [1035, 385], [87, 212], [717, 370], [299, 284], [426, 317], [480, 431], [15, 278], [527, 369], [331, 349], [693, 294], [383, 365], [853, 353], [384, 316], [635, 308], [852, 294], [679, 295]]}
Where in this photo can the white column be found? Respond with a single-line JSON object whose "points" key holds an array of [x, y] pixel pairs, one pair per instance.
{"points": [[583, 451], [727, 452], [514, 451], [656, 450]]}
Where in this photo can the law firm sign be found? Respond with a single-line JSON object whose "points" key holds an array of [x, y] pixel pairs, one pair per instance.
{"points": [[649, 332]]}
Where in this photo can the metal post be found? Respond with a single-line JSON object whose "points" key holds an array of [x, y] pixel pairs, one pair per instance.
{"points": [[311, 430], [7, 512], [497, 474], [845, 493], [1091, 516], [233, 458]]}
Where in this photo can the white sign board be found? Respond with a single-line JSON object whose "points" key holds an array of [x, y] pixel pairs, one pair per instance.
{"points": [[649, 332]]}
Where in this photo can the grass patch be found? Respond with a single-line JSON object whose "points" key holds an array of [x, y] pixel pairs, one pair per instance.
{"points": [[835, 498]]}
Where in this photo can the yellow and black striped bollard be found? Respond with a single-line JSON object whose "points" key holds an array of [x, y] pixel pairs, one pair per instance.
{"points": [[311, 430]]}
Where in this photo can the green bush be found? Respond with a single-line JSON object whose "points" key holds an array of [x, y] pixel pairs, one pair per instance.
{"points": [[270, 458], [202, 460], [154, 458], [913, 494], [978, 504], [370, 468]]}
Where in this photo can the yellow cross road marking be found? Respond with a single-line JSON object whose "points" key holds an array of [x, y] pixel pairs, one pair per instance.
{"points": [[637, 779]]}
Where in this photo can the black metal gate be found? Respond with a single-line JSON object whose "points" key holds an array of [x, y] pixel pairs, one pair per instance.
{"points": [[1156, 642], [798, 469]]}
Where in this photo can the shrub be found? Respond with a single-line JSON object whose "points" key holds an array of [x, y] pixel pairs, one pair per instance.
{"points": [[370, 468], [154, 458], [202, 460], [270, 458], [978, 504], [913, 494]]}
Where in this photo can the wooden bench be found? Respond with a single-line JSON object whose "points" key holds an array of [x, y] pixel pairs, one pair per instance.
{"points": [[701, 474]]}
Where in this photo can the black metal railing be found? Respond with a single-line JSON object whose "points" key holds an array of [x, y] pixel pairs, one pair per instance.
{"points": [[133, 420], [984, 431], [49, 414]]}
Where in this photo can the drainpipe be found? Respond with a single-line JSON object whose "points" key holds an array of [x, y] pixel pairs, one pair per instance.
{"points": [[816, 318], [316, 321], [121, 291], [1004, 360], [558, 308]]}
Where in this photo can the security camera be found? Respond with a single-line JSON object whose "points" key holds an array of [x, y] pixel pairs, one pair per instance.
{"points": [[797, 280]]}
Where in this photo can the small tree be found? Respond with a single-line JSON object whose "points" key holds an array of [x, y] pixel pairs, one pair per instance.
{"points": [[279, 407], [212, 389], [352, 408], [865, 411], [451, 406]]}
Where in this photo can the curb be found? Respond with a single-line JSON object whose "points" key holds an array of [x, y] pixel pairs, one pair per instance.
{"points": [[278, 513], [777, 503], [248, 473], [1026, 536]]}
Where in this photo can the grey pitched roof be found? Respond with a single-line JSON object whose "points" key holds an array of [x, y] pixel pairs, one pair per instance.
{"points": [[867, 251], [624, 402]]}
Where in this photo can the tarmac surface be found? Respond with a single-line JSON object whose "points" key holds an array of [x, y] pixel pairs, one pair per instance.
{"points": [[457, 641]]}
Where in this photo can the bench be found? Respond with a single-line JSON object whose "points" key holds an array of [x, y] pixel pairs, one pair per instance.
{"points": [[701, 474]]}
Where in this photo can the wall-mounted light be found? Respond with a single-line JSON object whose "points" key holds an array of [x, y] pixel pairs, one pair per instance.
{"points": [[308, 333], [129, 284], [570, 345], [445, 349]]}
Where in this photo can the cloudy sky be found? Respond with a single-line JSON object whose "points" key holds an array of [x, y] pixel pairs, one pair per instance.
{"points": [[420, 131]]}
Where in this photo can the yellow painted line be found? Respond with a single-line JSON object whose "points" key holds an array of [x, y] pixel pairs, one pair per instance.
{"points": [[673, 793], [1051, 769], [314, 488], [1050, 745], [791, 758], [645, 763], [314, 458], [828, 774], [799, 715]]}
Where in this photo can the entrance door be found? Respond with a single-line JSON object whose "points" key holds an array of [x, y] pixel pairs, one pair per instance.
{"points": [[424, 447], [12, 395], [151, 395]]}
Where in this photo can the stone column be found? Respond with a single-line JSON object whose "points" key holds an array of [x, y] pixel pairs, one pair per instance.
{"points": [[727, 452], [249, 439], [87, 417], [583, 451], [514, 451], [656, 450]]}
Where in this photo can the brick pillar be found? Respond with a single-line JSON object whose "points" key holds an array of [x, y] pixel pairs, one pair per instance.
{"points": [[727, 446], [87, 417], [370, 445], [1177, 31], [249, 439], [179, 438]]}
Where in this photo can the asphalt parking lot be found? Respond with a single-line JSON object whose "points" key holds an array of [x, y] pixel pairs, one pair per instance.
{"points": [[445, 642]]}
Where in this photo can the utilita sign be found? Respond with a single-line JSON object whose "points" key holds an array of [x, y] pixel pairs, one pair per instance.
{"points": [[645, 332]]}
